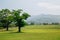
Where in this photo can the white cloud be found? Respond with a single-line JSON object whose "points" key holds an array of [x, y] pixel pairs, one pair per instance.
{"points": [[49, 8], [48, 5]]}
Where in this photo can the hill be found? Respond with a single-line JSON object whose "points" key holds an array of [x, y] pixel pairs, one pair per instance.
{"points": [[44, 19]]}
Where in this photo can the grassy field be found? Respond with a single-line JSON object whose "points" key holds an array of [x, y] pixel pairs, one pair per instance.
{"points": [[33, 32]]}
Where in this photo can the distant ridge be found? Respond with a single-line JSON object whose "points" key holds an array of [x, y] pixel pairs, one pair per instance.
{"points": [[44, 19]]}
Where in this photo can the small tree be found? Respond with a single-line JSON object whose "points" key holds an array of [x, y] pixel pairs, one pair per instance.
{"points": [[55, 23], [45, 23], [5, 18], [32, 23]]}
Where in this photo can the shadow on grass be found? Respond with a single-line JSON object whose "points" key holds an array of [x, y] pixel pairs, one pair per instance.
{"points": [[16, 32]]}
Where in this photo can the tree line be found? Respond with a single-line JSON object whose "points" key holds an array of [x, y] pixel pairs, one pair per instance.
{"points": [[17, 17], [32, 23]]}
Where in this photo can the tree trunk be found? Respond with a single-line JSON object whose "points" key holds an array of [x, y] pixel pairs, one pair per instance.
{"points": [[6, 28], [19, 29]]}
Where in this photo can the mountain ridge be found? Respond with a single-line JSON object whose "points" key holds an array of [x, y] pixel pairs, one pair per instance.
{"points": [[44, 19]]}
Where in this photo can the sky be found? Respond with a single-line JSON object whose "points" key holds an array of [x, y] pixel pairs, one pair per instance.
{"points": [[33, 7]]}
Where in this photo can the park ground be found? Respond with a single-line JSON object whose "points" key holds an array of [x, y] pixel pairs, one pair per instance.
{"points": [[32, 32]]}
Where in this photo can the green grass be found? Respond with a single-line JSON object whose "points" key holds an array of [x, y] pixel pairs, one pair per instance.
{"points": [[33, 32]]}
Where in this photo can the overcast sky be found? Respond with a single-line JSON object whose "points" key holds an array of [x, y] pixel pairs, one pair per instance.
{"points": [[33, 7]]}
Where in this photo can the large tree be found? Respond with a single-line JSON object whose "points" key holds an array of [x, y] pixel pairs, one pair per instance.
{"points": [[19, 18]]}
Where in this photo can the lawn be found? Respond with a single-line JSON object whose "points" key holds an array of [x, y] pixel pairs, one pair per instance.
{"points": [[34, 32]]}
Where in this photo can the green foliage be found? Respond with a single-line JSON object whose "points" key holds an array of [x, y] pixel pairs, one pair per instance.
{"points": [[45, 23], [55, 23], [25, 15], [5, 19], [19, 17], [32, 23]]}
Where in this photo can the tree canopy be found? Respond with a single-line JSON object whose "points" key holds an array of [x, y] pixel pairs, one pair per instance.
{"points": [[8, 16]]}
